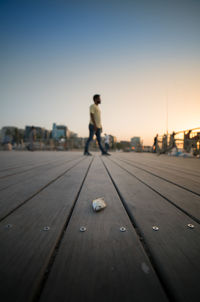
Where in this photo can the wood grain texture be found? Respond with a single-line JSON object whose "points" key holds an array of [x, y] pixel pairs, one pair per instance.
{"points": [[26, 248], [39, 189], [185, 200], [23, 168], [16, 162], [26, 185], [175, 248], [191, 165], [186, 181], [17, 159], [17, 173], [101, 264]]}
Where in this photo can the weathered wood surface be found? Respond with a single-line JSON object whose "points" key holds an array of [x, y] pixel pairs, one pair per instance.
{"points": [[175, 248], [178, 177], [183, 199], [24, 160], [55, 189], [26, 248], [103, 263], [28, 173], [18, 189], [184, 164]]}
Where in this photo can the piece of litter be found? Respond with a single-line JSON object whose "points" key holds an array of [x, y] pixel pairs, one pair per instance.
{"points": [[82, 229], [191, 226], [46, 228], [98, 204], [122, 229], [155, 228]]}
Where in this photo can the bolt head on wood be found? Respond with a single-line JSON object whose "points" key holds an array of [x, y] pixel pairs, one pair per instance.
{"points": [[191, 226], [82, 229], [155, 228], [122, 229], [47, 228]]}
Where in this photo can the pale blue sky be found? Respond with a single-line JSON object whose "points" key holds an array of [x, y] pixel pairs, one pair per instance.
{"points": [[56, 54]]}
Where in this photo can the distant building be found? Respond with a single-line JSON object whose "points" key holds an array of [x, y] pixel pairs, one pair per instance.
{"points": [[10, 134], [78, 142], [147, 148], [47, 134], [7, 134], [73, 134], [135, 141], [124, 145], [60, 131], [41, 133]]}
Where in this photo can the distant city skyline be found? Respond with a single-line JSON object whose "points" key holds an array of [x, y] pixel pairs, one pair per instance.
{"points": [[142, 57], [71, 132]]}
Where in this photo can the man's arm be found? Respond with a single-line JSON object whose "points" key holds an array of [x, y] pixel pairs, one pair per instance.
{"points": [[92, 117]]}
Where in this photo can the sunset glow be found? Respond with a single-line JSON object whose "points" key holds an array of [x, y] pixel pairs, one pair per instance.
{"points": [[143, 57]]}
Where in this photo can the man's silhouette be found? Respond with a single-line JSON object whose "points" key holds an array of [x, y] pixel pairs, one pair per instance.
{"points": [[95, 126]]}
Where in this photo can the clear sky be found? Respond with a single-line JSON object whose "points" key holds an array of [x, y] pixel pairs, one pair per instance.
{"points": [[139, 55]]}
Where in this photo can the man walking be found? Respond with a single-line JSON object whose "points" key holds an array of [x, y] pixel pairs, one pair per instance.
{"points": [[95, 126]]}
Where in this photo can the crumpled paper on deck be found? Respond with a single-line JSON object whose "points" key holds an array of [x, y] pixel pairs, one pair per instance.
{"points": [[98, 204]]}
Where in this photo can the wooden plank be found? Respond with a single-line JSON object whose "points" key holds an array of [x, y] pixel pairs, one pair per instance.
{"points": [[166, 167], [16, 170], [179, 179], [187, 165], [172, 166], [15, 195], [20, 159], [101, 264], [175, 248], [22, 163], [25, 248], [14, 179], [12, 159], [185, 200]]}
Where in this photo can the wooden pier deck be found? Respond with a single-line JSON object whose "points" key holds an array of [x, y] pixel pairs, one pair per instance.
{"points": [[46, 197]]}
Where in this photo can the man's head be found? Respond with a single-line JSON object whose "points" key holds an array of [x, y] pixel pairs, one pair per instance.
{"points": [[97, 99]]}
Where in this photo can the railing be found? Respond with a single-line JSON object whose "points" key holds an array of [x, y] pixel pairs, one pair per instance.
{"points": [[185, 140]]}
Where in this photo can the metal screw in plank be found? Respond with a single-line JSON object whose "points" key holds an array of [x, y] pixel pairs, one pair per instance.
{"points": [[47, 228], [82, 229], [191, 226], [155, 228], [122, 229]]}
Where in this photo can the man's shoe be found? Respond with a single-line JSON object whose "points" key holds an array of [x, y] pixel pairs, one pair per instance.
{"points": [[106, 153], [87, 154]]}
